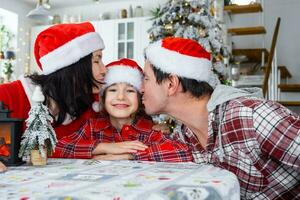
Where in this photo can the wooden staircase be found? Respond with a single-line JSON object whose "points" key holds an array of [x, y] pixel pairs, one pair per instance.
{"points": [[255, 55], [251, 8], [247, 30]]}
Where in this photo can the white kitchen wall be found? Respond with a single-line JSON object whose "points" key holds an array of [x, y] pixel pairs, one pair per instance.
{"points": [[92, 11], [23, 26]]}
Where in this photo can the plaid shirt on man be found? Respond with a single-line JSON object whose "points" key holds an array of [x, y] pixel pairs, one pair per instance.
{"points": [[81, 143], [261, 143]]}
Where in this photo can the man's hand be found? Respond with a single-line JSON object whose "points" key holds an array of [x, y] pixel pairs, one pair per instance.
{"points": [[119, 147], [114, 157], [2, 167]]}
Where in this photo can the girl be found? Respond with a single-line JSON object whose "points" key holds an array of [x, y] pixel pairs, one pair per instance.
{"points": [[124, 132]]}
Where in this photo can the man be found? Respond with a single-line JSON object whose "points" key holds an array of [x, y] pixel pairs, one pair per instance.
{"points": [[256, 139]]}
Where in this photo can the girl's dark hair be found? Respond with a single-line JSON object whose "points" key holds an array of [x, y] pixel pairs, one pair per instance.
{"points": [[140, 111], [70, 88]]}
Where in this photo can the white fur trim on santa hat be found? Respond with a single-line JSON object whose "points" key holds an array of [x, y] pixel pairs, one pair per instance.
{"points": [[175, 63], [123, 74], [71, 52]]}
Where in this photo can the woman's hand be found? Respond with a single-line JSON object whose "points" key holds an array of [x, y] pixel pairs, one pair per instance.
{"points": [[114, 157], [2, 167], [119, 147]]}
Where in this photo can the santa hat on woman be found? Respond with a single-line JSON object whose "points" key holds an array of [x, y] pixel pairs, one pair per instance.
{"points": [[64, 44], [123, 71], [183, 57]]}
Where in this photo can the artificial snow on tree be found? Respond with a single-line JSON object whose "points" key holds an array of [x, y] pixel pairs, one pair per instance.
{"points": [[192, 19], [39, 134]]}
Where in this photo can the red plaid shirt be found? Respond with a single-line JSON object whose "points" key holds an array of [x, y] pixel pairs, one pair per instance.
{"points": [[261, 143], [81, 143]]}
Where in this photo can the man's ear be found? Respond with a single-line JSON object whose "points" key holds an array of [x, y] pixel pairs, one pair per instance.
{"points": [[173, 84]]}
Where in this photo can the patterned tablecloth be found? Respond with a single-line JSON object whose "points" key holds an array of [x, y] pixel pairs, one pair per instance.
{"points": [[67, 179]]}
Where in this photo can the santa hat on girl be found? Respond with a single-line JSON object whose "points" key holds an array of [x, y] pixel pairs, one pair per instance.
{"points": [[64, 44], [183, 57], [123, 71]]}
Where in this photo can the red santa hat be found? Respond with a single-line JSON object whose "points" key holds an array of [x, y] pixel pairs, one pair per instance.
{"points": [[123, 71], [64, 44], [183, 57]]}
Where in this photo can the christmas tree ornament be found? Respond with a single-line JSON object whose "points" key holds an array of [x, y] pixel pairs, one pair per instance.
{"points": [[202, 32], [169, 28]]}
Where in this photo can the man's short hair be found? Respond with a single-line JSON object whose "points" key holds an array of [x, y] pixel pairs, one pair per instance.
{"points": [[194, 87]]}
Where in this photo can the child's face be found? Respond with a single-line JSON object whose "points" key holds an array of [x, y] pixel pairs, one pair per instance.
{"points": [[121, 100]]}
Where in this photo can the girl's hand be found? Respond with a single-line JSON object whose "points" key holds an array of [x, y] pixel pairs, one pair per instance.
{"points": [[114, 157], [162, 127], [119, 147], [2, 167]]}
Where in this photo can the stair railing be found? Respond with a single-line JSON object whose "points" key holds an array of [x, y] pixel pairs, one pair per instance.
{"points": [[268, 84]]}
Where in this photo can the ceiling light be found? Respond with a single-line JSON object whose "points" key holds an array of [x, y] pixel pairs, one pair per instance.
{"points": [[39, 13]]}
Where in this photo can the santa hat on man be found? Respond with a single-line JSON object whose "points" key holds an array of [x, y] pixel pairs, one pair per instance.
{"points": [[123, 71], [183, 57], [64, 44]]}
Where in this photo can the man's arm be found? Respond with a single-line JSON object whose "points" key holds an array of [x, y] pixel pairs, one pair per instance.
{"points": [[278, 133], [163, 149]]}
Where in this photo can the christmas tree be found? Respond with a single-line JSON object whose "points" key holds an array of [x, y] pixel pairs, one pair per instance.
{"points": [[39, 133], [192, 19]]}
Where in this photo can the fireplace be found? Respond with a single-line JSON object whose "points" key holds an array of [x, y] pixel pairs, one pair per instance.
{"points": [[10, 137]]}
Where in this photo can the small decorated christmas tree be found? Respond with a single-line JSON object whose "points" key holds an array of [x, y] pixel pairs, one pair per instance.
{"points": [[39, 134]]}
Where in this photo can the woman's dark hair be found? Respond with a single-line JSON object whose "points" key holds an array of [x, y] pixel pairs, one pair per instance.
{"points": [[140, 111], [70, 88], [196, 88]]}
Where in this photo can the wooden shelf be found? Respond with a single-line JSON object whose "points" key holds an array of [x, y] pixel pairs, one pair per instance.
{"points": [[247, 30], [241, 9], [289, 103], [253, 55], [289, 87]]}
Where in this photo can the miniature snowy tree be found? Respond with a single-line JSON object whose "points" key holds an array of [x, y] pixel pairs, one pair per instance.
{"points": [[39, 134], [191, 19]]}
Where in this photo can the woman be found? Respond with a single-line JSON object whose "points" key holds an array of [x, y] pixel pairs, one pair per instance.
{"points": [[69, 56], [125, 132]]}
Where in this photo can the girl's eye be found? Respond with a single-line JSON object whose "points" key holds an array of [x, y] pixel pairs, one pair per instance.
{"points": [[131, 90], [111, 90]]}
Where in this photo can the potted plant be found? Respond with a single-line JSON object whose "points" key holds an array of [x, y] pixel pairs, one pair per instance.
{"points": [[7, 71], [5, 38], [39, 139]]}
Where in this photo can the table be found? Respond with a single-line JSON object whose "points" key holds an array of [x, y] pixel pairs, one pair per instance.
{"points": [[66, 179]]}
